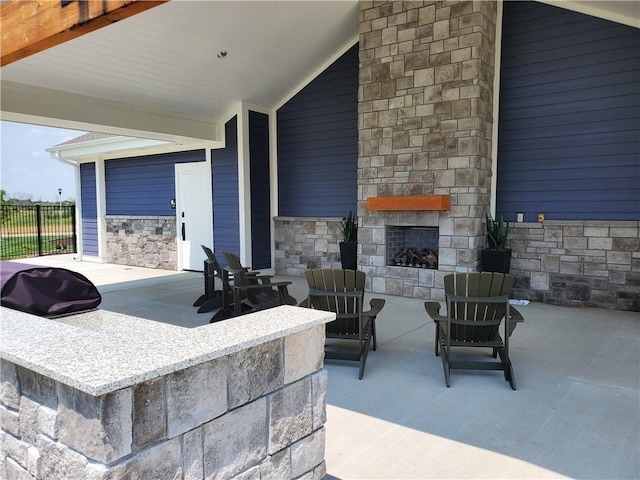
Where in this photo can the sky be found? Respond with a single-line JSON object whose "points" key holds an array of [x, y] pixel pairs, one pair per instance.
{"points": [[27, 170]]}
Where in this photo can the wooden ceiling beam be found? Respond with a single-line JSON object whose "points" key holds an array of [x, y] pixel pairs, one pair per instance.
{"points": [[32, 26]]}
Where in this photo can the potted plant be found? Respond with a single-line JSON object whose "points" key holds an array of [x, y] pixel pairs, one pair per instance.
{"points": [[496, 257], [349, 243]]}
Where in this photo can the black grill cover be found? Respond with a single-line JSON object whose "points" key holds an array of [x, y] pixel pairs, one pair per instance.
{"points": [[46, 291]]}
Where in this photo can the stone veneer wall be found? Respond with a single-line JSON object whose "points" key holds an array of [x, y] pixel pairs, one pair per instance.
{"points": [[425, 124], [578, 263], [142, 241], [303, 243], [258, 413]]}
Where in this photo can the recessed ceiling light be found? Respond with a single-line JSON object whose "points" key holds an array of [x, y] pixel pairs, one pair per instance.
{"points": [[222, 54]]}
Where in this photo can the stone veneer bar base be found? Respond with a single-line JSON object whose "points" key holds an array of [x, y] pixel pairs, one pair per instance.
{"points": [[106, 396]]}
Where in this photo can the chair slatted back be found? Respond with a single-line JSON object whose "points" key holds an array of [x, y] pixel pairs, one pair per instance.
{"points": [[476, 285], [233, 261], [211, 258], [346, 308]]}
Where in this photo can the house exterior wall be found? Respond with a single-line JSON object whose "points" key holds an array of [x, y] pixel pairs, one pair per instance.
{"points": [[260, 190], [140, 223], [569, 148], [144, 185], [226, 206], [425, 111]]}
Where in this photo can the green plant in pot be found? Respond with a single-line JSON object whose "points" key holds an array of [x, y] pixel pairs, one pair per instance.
{"points": [[496, 257], [349, 244]]}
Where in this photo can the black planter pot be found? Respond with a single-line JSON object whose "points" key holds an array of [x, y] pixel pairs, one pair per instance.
{"points": [[349, 255], [496, 260]]}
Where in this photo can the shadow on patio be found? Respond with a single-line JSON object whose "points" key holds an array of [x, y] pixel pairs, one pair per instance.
{"points": [[575, 413]]}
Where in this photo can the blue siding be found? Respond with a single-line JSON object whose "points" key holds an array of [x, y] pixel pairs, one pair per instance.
{"points": [[144, 185], [89, 203], [260, 190], [569, 131], [226, 208], [318, 144]]}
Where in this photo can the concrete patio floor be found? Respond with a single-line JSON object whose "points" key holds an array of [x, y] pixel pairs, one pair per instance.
{"points": [[575, 414]]}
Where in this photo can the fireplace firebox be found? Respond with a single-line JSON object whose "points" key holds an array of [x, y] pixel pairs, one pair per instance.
{"points": [[415, 247]]}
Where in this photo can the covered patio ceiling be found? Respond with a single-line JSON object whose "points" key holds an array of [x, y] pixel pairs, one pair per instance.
{"points": [[158, 74]]}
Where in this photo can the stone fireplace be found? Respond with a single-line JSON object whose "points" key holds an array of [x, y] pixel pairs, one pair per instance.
{"points": [[425, 123]]}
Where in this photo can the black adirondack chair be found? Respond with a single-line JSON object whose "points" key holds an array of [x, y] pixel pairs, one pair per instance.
{"points": [[342, 292], [477, 304]]}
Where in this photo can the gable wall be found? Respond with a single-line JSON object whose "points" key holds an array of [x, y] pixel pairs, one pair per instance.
{"points": [[569, 130], [317, 144]]}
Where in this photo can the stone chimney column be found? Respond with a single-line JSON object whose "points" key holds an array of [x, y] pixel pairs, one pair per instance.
{"points": [[425, 121]]}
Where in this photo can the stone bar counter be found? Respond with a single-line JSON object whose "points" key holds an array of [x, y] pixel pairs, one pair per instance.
{"points": [[101, 395]]}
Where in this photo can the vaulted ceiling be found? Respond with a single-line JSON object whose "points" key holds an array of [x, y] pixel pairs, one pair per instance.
{"points": [[158, 74]]}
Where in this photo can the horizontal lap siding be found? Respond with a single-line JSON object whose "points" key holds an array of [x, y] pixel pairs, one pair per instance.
{"points": [[318, 144], [569, 127], [260, 190], [89, 206], [226, 208], [144, 185]]}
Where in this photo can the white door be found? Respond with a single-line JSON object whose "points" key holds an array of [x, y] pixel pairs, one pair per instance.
{"points": [[193, 213]]}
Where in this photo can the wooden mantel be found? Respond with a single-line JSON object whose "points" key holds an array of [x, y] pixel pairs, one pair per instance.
{"points": [[410, 203]]}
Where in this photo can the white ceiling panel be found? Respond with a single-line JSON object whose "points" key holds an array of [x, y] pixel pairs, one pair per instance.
{"points": [[165, 59]]}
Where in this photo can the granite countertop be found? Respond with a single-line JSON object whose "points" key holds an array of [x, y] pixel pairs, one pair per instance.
{"points": [[99, 352]]}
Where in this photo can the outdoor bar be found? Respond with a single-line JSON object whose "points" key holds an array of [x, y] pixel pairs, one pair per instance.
{"points": [[105, 395]]}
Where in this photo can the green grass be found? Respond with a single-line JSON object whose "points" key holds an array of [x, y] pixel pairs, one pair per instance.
{"points": [[27, 246]]}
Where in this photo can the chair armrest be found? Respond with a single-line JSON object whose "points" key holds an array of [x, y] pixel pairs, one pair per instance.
{"points": [[515, 315], [376, 305], [433, 310], [264, 279], [265, 286]]}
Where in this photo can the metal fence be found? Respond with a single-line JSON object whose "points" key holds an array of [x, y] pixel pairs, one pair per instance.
{"points": [[36, 230]]}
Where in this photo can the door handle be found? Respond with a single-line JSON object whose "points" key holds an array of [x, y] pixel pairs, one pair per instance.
{"points": [[184, 233]]}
